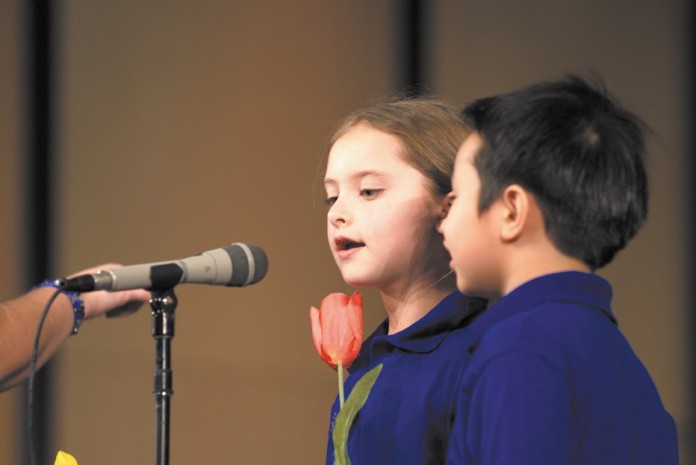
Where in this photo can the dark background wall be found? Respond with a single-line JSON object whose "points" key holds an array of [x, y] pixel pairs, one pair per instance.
{"points": [[183, 126]]}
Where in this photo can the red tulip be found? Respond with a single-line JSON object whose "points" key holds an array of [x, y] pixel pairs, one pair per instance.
{"points": [[337, 328]]}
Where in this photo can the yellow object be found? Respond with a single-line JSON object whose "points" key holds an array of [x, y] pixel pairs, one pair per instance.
{"points": [[63, 458]]}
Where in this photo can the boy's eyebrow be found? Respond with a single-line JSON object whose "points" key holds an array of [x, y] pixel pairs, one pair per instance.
{"points": [[360, 175]]}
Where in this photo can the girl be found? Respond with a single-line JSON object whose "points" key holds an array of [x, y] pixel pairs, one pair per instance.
{"points": [[387, 176]]}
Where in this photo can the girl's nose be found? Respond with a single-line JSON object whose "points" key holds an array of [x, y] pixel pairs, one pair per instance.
{"points": [[338, 214]]}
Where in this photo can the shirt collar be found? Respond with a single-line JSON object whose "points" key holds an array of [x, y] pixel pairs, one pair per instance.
{"points": [[426, 334], [568, 286]]}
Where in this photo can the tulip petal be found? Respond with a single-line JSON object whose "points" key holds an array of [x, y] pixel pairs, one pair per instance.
{"points": [[337, 328], [355, 315], [316, 328], [355, 324]]}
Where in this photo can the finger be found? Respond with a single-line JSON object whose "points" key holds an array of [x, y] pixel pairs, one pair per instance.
{"points": [[125, 310]]}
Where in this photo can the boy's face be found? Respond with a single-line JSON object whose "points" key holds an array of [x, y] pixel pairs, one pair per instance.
{"points": [[470, 236]]}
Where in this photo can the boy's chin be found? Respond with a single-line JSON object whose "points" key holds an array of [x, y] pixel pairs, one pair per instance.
{"points": [[470, 290]]}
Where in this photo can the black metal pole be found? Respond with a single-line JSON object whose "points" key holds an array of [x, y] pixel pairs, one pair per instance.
{"points": [[163, 304]]}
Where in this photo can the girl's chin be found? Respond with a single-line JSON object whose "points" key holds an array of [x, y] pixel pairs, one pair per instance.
{"points": [[357, 281]]}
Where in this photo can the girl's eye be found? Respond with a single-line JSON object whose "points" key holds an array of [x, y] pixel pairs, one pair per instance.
{"points": [[329, 201], [369, 193]]}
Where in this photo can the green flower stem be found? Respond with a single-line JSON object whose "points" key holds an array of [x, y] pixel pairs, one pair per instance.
{"points": [[346, 415], [341, 393]]}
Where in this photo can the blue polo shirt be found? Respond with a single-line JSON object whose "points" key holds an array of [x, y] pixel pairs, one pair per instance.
{"points": [[553, 381], [407, 418]]}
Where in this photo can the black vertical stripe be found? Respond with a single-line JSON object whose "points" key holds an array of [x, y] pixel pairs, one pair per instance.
{"points": [[37, 208], [413, 39], [691, 207]]}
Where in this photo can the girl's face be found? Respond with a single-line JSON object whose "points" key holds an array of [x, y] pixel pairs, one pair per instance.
{"points": [[382, 217]]}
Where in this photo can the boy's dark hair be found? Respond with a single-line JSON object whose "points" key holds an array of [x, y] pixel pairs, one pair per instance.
{"points": [[577, 151]]}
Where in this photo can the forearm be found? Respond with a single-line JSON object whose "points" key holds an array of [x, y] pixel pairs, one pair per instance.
{"points": [[19, 319]]}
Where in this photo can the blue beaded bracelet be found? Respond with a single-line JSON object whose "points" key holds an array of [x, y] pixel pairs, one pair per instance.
{"points": [[78, 305]]}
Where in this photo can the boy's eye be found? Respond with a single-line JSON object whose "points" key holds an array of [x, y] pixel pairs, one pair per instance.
{"points": [[329, 201]]}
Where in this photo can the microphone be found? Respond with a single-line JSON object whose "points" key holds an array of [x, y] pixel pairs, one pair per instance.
{"points": [[235, 265]]}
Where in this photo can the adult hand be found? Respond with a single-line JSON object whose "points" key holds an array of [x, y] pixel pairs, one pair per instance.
{"points": [[113, 304]]}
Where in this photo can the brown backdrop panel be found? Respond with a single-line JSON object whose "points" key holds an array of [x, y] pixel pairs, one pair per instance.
{"points": [[10, 213], [190, 125]]}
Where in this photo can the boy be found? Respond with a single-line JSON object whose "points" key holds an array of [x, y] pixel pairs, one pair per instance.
{"points": [[548, 187]]}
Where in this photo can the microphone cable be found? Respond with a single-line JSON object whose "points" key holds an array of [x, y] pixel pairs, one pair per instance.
{"points": [[30, 383]]}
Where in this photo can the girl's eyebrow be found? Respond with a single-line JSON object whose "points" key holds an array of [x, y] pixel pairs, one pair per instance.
{"points": [[360, 175]]}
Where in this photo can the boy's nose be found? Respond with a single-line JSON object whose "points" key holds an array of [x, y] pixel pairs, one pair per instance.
{"points": [[444, 212]]}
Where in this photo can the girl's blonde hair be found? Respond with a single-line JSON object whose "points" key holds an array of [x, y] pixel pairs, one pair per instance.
{"points": [[430, 132]]}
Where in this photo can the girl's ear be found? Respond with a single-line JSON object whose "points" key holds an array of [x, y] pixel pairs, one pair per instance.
{"points": [[516, 203]]}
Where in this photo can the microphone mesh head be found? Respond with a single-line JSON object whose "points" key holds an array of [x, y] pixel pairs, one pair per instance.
{"points": [[249, 264], [260, 264]]}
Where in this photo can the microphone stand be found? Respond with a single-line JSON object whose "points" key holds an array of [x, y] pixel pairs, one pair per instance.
{"points": [[163, 303]]}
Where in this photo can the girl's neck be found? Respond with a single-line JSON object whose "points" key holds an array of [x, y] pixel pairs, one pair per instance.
{"points": [[405, 307]]}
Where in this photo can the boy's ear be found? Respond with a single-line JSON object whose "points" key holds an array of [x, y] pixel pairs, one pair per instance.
{"points": [[516, 204]]}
